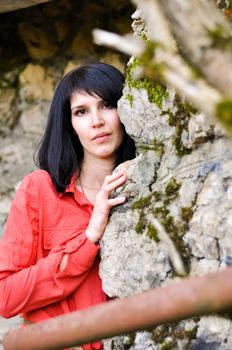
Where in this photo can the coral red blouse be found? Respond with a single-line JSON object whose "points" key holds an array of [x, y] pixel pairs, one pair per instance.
{"points": [[41, 227]]}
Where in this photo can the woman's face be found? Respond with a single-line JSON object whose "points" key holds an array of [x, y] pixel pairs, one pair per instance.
{"points": [[97, 125]]}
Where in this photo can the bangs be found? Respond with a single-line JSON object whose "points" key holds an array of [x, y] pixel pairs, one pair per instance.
{"points": [[102, 80]]}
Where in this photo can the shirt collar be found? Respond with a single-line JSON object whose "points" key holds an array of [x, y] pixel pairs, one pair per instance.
{"points": [[70, 188], [79, 196]]}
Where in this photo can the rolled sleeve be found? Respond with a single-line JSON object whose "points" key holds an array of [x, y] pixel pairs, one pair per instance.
{"points": [[31, 276], [82, 253]]}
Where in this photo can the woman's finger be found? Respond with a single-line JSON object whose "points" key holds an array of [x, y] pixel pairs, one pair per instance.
{"points": [[113, 185], [113, 177], [116, 201]]}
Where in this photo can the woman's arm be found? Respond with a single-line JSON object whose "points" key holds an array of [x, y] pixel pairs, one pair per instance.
{"points": [[27, 284], [103, 204]]}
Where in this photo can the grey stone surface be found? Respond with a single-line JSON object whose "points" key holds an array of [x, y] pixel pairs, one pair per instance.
{"points": [[213, 333], [6, 325], [133, 262]]}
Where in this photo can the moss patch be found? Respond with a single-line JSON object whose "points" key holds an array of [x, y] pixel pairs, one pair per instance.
{"points": [[172, 188], [142, 202], [168, 335], [156, 92], [125, 342], [152, 233], [155, 145], [220, 37], [129, 97], [129, 340], [224, 114], [158, 203], [179, 118]]}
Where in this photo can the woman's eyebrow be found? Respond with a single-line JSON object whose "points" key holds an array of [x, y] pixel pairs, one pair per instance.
{"points": [[77, 106]]}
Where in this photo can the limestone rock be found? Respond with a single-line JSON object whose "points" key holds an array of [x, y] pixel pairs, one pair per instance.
{"points": [[36, 83], [133, 341], [8, 109], [9, 5], [33, 120], [183, 176], [114, 59], [126, 274], [80, 46], [213, 333], [39, 44]]}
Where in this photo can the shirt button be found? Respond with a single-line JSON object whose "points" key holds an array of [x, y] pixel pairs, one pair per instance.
{"points": [[48, 243]]}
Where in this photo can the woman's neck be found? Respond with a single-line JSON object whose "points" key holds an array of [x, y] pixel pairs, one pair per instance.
{"points": [[94, 171]]}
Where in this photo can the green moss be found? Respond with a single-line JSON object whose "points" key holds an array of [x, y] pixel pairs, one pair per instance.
{"points": [[179, 119], [148, 41], [131, 68], [175, 229], [144, 147], [181, 150], [220, 37], [158, 203], [142, 202], [142, 222], [168, 345], [152, 70], [156, 146], [224, 114], [157, 195], [129, 97], [156, 92], [161, 211], [186, 213], [152, 233], [129, 340], [172, 188], [139, 227], [168, 335]]}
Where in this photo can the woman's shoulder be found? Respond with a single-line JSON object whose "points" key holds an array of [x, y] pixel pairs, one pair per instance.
{"points": [[38, 178], [39, 175]]}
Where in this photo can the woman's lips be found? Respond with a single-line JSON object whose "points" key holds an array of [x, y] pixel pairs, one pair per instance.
{"points": [[101, 137]]}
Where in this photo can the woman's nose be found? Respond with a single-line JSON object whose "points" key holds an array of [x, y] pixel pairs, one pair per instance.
{"points": [[97, 118]]}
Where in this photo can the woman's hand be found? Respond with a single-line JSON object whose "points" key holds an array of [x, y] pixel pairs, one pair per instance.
{"points": [[103, 204]]}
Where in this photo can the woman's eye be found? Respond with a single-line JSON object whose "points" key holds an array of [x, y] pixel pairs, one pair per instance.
{"points": [[79, 112], [106, 105]]}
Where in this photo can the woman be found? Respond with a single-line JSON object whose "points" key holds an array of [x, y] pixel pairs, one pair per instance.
{"points": [[49, 254]]}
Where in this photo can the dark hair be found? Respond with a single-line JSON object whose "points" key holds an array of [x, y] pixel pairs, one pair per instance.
{"points": [[60, 152]]}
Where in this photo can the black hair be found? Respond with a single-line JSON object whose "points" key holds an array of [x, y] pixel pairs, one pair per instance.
{"points": [[60, 152]]}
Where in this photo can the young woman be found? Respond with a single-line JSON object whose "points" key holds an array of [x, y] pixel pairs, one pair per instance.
{"points": [[49, 254]]}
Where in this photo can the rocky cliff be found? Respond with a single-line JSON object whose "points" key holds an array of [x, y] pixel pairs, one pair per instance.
{"points": [[182, 177]]}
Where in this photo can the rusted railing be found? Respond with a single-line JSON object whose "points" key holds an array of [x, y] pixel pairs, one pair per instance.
{"points": [[190, 297]]}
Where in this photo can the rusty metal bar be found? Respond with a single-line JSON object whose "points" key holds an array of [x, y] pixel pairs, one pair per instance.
{"points": [[190, 297]]}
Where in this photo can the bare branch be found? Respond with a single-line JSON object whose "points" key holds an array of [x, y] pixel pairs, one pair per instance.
{"points": [[205, 38], [158, 27], [129, 45]]}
